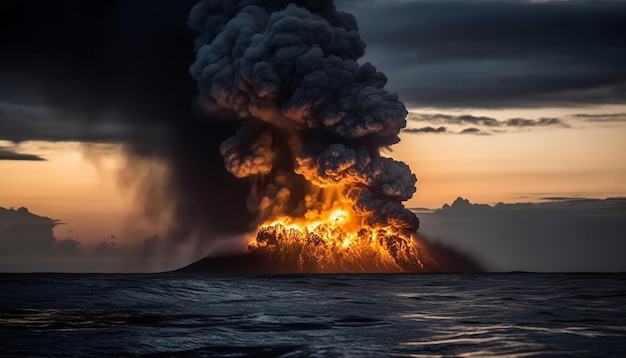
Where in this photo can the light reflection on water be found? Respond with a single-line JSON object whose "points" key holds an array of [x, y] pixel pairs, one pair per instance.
{"points": [[515, 315]]}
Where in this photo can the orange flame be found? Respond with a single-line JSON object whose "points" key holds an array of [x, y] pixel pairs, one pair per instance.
{"points": [[337, 241]]}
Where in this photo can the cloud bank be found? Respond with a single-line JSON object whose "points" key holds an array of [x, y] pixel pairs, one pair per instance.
{"points": [[115, 70], [495, 54], [28, 244], [560, 235]]}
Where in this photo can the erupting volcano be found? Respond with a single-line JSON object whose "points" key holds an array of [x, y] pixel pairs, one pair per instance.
{"points": [[334, 244], [313, 123]]}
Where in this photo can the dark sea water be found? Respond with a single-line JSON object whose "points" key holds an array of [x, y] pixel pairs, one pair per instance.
{"points": [[429, 315]]}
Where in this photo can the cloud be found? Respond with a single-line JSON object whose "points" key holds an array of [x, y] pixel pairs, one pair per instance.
{"points": [[488, 123], [561, 198], [8, 154], [28, 244], [485, 121], [426, 130], [102, 72], [562, 234], [541, 122], [473, 131], [608, 117], [25, 235], [455, 119], [495, 54], [21, 122], [555, 236]]}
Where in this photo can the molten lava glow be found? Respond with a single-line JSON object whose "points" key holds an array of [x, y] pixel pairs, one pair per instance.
{"points": [[338, 242]]}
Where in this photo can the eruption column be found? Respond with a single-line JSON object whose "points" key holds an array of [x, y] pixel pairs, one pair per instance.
{"points": [[313, 120]]}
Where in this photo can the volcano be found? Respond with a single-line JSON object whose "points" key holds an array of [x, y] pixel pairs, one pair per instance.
{"points": [[445, 258], [314, 123]]}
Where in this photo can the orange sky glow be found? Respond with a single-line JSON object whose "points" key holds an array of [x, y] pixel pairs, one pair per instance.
{"points": [[79, 184]]}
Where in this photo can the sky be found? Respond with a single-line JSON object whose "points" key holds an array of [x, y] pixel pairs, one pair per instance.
{"points": [[509, 102]]}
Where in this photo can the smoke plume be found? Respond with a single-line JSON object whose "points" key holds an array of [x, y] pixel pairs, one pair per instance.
{"points": [[312, 119]]}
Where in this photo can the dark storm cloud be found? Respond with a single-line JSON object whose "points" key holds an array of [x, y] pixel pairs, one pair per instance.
{"points": [[20, 122], [118, 71], [567, 234], [96, 71], [8, 154], [470, 53]]}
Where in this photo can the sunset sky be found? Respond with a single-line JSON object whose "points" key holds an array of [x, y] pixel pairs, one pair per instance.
{"points": [[509, 101]]}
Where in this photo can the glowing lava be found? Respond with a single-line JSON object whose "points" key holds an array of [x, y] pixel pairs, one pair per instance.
{"points": [[337, 243]]}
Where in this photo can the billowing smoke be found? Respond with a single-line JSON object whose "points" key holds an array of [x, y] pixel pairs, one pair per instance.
{"points": [[311, 116]]}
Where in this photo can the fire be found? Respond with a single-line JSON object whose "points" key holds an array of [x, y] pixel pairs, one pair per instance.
{"points": [[339, 242]]}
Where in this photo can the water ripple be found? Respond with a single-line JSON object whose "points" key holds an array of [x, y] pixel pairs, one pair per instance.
{"points": [[514, 315]]}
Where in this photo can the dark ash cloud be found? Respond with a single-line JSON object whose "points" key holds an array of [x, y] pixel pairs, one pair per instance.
{"points": [[313, 119], [479, 54], [568, 234]]}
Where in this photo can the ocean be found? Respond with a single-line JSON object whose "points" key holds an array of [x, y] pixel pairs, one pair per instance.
{"points": [[398, 315]]}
